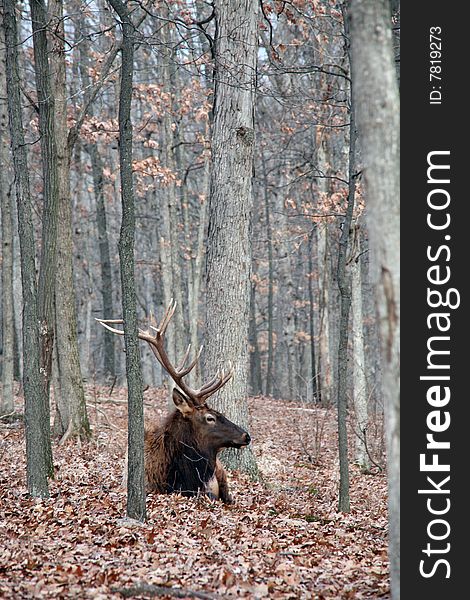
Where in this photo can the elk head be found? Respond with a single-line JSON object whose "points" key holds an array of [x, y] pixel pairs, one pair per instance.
{"points": [[211, 429]]}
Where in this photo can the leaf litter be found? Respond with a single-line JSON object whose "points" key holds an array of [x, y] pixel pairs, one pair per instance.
{"points": [[282, 537]]}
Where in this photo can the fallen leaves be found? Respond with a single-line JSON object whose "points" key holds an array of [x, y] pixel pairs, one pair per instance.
{"points": [[281, 539]]}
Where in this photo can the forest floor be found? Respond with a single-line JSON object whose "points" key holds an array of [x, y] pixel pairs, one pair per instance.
{"points": [[282, 538]]}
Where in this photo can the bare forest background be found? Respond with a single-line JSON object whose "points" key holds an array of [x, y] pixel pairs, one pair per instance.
{"points": [[300, 190]]}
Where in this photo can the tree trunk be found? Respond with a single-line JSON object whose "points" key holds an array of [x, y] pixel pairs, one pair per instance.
{"points": [[167, 281], [255, 360], [71, 416], [173, 210], [359, 363], [344, 285], [48, 264], [167, 252], [270, 306], [229, 245], [324, 356], [376, 97], [135, 477], [37, 466], [311, 297], [286, 371], [109, 362], [7, 404], [195, 272], [17, 301]]}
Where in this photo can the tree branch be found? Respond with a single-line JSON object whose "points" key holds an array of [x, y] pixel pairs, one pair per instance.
{"points": [[75, 130], [145, 589]]}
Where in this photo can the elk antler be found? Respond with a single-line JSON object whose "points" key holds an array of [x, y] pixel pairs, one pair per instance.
{"points": [[156, 343]]}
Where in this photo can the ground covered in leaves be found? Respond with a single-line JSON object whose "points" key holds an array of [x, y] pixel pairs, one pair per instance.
{"points": [[282, 538]]}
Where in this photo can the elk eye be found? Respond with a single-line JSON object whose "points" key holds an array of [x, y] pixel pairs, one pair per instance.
{"points": [[210, 419]]}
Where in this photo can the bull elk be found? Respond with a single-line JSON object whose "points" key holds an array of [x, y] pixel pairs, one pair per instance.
{"points": [[181, 453]]}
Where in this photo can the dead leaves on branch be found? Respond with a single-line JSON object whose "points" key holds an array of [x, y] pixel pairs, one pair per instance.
{"points": [[281, 539]]}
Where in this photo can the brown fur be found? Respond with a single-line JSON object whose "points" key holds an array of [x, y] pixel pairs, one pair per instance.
{"points": [[181, 454]]}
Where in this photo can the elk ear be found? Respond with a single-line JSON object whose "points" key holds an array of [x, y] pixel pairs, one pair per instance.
{"points": [[182, 403]]}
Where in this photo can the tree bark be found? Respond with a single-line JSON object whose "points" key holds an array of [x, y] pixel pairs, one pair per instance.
{"points": [[71, 416], [286, 370], [195, 272], [173, 211], [48, 264], [136, 508], [256, 384], [109, 361], [270, 300], [359, 363], [324, 275], [37, 466], [344, 285], [311, 297], [169, 264], [7, 404], [229, 245], [17, 301], [376, 97]]}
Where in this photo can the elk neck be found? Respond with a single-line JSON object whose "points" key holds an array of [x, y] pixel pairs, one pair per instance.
{"points": [[191, 465]]}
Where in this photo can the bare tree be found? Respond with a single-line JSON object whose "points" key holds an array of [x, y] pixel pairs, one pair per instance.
{"points": [[48, 262], [230, 206], [171, 206], [71, 416], [37, 466], [313, 361], [376, 97], [344, 284], [135, 479], [358, 359], [6, 401]]}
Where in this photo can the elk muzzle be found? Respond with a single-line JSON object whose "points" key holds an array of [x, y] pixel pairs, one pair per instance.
{"points": [[240, 442]]}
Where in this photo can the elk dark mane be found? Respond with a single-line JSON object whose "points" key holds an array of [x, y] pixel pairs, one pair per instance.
{"points": [[175, 460]]}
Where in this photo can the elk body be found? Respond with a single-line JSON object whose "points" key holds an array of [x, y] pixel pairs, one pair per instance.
{"points": [[181, 454]]}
